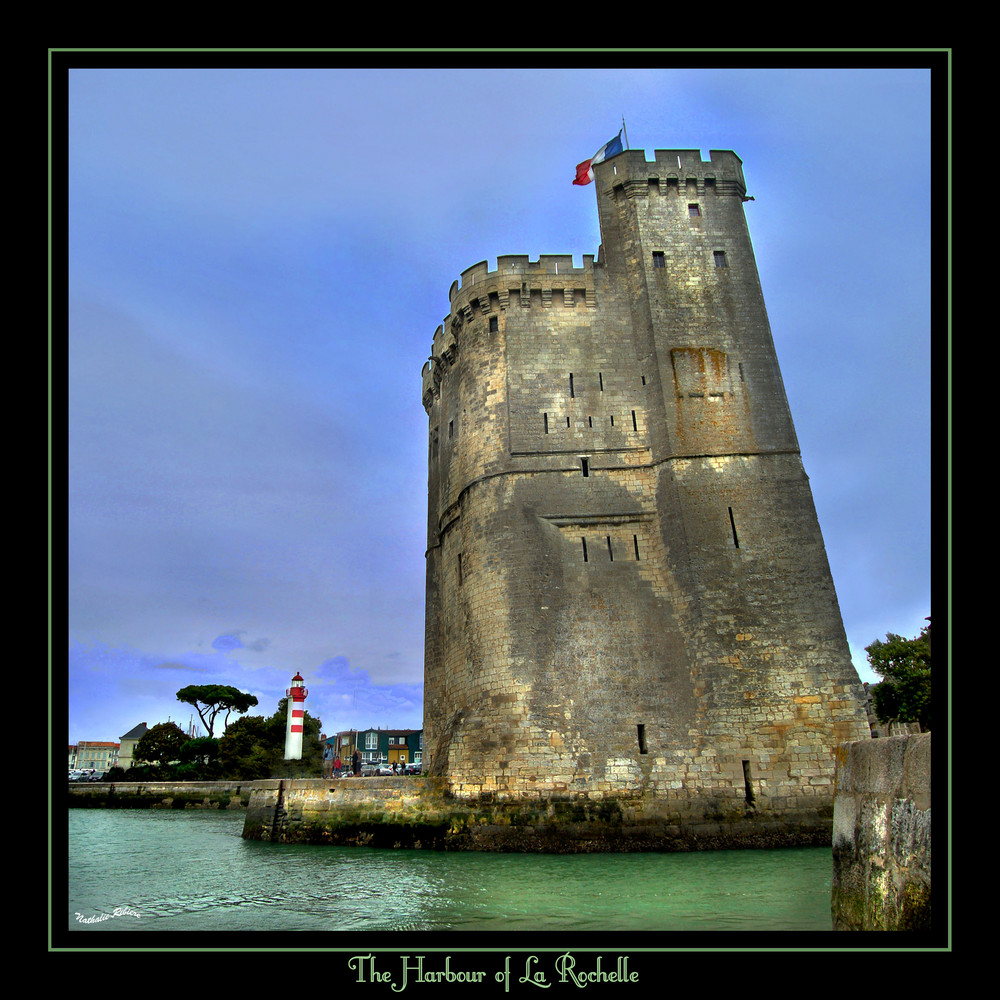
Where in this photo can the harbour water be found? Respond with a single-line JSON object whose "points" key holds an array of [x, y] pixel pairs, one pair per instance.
{"points": [[190, 871]]}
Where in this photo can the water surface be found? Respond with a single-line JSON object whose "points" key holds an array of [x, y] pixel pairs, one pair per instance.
{"points": [[167, 870]]}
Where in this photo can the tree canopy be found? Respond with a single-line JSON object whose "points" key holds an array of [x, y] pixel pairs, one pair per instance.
{"points": [[211, 699], [161, 744], [904, 694]]}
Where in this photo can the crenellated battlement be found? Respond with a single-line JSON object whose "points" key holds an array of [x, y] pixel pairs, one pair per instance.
{"points": [[444, 349], [516, 281], [724, 168], [521, 266]]}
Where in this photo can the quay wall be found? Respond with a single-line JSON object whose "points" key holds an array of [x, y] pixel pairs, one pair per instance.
{"points": [[882, 835], [164, 794], [422, 812]]}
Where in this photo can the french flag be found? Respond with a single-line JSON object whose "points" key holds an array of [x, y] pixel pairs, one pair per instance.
{"points": [[585, 170]]}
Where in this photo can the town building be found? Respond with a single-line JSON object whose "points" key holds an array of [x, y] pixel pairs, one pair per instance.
{"points": [[128, 742], [96, 755], [378, 746]]}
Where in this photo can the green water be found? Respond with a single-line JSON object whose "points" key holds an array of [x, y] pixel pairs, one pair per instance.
{"points": [[162, 870]]}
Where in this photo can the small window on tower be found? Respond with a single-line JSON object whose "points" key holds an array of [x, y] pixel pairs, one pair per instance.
{"points": [[694, 211], [720, 258], [658, 258], [494, 324]]}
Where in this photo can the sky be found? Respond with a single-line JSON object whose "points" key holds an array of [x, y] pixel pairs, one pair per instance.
{"points": [[258, 259]]}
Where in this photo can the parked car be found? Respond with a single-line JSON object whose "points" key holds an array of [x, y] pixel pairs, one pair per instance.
{"points": [[411, 769], [368, 768], [96, 776]]}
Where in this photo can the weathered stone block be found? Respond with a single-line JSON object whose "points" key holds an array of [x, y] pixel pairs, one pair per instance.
{"points": [[882, 835]]}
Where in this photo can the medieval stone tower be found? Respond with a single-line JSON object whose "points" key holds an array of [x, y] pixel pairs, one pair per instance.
{"points": [[628, 595]]}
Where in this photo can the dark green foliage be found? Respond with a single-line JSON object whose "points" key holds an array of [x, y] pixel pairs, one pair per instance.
{"points": [[248, 749], [161, 744], [149, 772], [204, 750], [199, 760], [904, 694]]}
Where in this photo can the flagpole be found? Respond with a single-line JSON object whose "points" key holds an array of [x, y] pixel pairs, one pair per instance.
{"points": [[625, 131]]}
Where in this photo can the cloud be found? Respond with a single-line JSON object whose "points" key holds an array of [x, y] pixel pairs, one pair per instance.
{"points": [[227, 642]]}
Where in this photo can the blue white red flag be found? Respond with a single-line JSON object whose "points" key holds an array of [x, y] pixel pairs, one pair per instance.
{"points": [[585, 170]]}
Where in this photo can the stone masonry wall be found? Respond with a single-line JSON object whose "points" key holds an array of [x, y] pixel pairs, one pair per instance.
{"points": [[421, 812], [163, 794]]}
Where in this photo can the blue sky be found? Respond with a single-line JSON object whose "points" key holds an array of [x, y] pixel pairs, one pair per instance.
{"points": [[258, 260]]}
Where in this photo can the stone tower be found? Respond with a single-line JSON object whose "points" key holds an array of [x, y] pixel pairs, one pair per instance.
{"points": [[628, 595]]}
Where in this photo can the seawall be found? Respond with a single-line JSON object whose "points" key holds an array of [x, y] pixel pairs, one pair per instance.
{"points": [[164, 794], [418, 812], [882, 835]]}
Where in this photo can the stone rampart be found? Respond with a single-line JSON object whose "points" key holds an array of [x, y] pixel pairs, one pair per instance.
{"points": [[421, 812], [164, 794], [882, 835]]}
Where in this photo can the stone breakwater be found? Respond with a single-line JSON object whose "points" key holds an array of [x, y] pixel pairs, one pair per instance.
{"points": [[162, 795], [882, 835], [419, 812]]}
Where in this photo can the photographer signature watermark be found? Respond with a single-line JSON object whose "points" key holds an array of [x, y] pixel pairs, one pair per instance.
{"points": [[118, 911]]}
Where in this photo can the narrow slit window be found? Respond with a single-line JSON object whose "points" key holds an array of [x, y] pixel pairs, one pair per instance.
{"points": [[612, 420], [611, 551], [451, 428], [732, 524], [635, 426], [748, 784], [460, 569], [572, 393], [590, 421], [584, 541], [641, 733], [546, 416], [567, 421], [585, 464], [600, 380], [635, 542]]}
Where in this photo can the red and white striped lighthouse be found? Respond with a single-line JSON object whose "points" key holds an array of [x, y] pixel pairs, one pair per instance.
{"points": [[296, 717]]}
